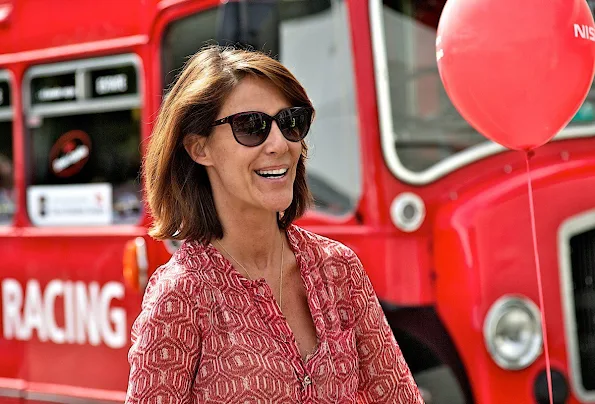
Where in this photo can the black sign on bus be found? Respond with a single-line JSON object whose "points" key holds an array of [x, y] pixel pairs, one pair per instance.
{"points": [[4, 94], [52, 89], [113, 81]]}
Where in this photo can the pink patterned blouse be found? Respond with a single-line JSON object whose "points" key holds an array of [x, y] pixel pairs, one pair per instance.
{"points": [[208, 335]]}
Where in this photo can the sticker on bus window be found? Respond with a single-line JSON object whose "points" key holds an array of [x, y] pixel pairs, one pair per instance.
{"points": [[70, 205], [50, 89], [70, 153], [113, 81]]}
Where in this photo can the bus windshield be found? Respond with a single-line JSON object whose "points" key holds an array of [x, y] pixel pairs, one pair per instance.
{"points": [[426, 127]]}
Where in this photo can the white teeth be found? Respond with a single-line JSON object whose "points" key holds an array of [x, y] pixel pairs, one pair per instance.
{"points": [[281, 171]]}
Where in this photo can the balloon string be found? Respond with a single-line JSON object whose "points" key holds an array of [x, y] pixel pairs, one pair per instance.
{"points": [[548, 368]]}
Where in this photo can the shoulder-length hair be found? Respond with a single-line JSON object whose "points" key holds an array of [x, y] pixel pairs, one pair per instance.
{"points": [[178, 190]]}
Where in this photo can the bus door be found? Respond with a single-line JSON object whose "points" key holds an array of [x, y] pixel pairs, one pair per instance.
{"points": [[64, 296]]}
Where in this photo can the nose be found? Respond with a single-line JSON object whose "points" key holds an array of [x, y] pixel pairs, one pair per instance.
{"points": [[276, 142]]}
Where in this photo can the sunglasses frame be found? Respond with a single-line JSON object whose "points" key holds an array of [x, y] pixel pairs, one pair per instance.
{"points": [[229, 119]]}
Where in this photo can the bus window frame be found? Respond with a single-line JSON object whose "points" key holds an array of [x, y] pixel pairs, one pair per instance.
{"points": [[385, 119], [83, 105]]}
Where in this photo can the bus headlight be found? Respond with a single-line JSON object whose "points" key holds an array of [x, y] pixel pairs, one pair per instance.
{"points": [[512, 332]]}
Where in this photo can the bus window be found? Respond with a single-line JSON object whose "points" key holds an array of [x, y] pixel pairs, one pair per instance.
{"points": [[311, 37], [83, 120], [7, 205]]}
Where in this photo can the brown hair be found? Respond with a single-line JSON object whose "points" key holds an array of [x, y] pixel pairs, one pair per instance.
{"points": [[178, 190]]}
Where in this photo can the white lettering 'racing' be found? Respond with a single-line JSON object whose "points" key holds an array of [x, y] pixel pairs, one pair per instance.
{"points": [[88, 314]]}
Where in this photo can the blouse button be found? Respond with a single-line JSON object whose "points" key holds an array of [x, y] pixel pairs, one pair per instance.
{"points": [[307, 381]]}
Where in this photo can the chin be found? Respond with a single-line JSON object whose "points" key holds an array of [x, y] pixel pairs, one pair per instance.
{"points": [[278, 204]]}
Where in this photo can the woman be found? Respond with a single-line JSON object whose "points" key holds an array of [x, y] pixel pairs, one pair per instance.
{"points": [[251, 308]]}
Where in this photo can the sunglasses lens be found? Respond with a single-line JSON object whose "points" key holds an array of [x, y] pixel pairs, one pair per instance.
{"points": [[294, 123], [250, 129]]}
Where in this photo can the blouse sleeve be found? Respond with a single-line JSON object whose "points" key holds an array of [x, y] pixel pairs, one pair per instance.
{"points": [[165, 343], [384, 376]]}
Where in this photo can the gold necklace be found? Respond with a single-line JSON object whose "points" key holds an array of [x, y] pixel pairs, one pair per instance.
{"points": [[250, 276]]}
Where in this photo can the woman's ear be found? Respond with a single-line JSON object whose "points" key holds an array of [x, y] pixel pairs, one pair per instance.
{"points": [[196, 147]]}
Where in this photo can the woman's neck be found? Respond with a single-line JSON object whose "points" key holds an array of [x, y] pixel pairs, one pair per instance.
{"points": [[254, 240]]}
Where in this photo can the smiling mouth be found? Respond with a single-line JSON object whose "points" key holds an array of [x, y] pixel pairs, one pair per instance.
{"points": [[272, 173]]}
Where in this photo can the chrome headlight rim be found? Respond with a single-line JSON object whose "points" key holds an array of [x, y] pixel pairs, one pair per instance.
{"points": [[495, 314]]}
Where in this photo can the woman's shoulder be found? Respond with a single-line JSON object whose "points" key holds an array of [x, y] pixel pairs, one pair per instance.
{"points": [[335, 262], [320, 247], [179, 276], [170, 279]]}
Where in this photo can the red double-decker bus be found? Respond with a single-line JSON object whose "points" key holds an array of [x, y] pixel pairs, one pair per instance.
{"points": [[438, 215]]}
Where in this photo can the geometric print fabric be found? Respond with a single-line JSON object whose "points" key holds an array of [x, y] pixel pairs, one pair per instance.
{"points": [[206, 334]]}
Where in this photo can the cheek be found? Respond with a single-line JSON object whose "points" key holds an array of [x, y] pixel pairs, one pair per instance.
{"points": [[231, 164], [296, 150]]}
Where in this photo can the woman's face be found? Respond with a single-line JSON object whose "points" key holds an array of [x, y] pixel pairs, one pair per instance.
{"points": [[241, 176]]}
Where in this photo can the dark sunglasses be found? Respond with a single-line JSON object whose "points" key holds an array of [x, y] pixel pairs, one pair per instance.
{"points": [[252, 128]]}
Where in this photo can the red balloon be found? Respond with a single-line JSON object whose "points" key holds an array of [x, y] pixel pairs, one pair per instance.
{"points": [[517, 70]]}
